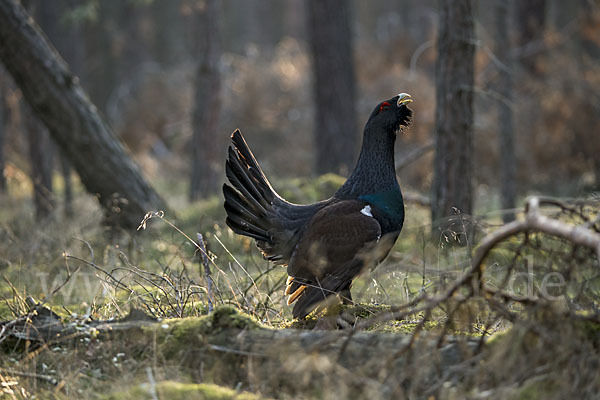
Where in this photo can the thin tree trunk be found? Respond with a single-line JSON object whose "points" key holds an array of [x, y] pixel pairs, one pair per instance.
{"points": [[65, 168], [41, 157], [205, 154], [453, 163], [3, 188], [61, 36], [335, 134], [531, 16], [168, 46], [74, 123], [41, 149], [102, 62], [508, 163]]}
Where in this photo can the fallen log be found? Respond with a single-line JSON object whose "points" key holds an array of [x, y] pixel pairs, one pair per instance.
{"points": [[232, 349]]}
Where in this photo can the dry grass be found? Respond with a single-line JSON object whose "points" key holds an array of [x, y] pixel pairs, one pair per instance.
{"points": [[547, 334]]}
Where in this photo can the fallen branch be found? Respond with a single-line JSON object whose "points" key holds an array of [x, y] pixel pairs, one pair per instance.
{"points": [[472, 280], [46, 378], [578, 235]]}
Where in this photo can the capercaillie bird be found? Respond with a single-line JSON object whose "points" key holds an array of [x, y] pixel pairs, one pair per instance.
{"points": [[325, 245]]}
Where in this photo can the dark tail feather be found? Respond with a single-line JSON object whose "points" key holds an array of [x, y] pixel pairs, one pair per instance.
{"points": [[236, 205], [243, 149], [250, 203], [313, 295], [247, 181]]}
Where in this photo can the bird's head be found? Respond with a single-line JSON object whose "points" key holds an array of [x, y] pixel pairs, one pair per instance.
{"points": [[392, 115]]}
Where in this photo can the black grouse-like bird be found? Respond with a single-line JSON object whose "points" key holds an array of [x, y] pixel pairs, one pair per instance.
{"points": [[327, 244]]}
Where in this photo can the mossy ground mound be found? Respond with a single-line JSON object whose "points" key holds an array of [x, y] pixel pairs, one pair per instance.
{"points": [[181, 391]]}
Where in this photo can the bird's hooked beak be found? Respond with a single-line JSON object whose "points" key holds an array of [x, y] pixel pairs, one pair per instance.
{"points": [[403, 98]]}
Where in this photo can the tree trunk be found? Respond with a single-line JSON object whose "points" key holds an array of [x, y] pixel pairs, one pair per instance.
{"points": [[531, 15], [65, 169], [73, 121], [336, 138], [453, 163], [41, 148], [3, 188], [168, 43], [41, 156], [205, 150], [61, 36], [508, 163]]}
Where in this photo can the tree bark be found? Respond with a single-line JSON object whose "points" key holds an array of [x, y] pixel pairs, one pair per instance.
{"points": [[41, 157], [531, 16], [3, 188], [41, 148], [74, 123], [65, 169], [453, 163], [61, 36], [336, 138], [168, 45], [508, 162], [205, 150]]}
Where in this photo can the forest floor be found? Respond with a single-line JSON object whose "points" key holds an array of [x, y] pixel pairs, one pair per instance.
{"points": [[134, 312]]}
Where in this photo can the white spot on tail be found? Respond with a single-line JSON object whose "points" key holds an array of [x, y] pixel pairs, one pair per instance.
{"points": [[366, 211]]}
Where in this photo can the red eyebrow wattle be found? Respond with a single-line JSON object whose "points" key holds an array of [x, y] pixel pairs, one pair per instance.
{"points": [[384, 104]]}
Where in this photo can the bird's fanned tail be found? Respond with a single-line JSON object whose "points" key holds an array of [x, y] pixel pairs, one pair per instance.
{"points": [[249, 204], [254, 209]]}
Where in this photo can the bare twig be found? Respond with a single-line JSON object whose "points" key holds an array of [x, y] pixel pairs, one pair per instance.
{"points": [[46, 378], [473, 278], [578, 235], [207, 276]]}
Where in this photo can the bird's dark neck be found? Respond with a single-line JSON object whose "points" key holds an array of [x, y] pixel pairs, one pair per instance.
{"points": [[375, 170]]}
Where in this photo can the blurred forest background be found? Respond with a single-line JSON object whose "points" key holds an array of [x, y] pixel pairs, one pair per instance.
{"points": [[175, 78], [506, 105]]}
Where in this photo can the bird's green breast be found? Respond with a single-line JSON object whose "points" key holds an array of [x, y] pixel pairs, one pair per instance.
{"points": [[390, 205]]}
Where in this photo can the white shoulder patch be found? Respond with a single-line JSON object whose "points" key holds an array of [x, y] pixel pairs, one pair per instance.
{"points": [[366, 211]]}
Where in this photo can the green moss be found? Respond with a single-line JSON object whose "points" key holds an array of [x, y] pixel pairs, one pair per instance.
{"points": [[182, 391], [223, 317], [359, 312], [179, 335]]}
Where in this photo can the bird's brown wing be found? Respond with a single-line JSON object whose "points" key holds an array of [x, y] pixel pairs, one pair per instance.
{"points": [[338, 242]]}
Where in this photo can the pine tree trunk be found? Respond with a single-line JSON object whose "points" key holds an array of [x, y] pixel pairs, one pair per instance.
{"points": [[48, 14], [41, 156], [74, 123], [508, 162], [168, 46], [335, 134], [65, 169], [453, 163], [2, 140], [531, 16], [206, 158]]}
